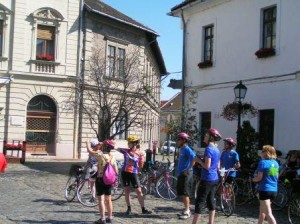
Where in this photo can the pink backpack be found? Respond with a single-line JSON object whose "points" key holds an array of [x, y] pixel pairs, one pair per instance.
{"points": [[109, 175]]}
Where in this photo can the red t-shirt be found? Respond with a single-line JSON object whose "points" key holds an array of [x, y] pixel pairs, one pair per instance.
{"points": [[3, 163]]}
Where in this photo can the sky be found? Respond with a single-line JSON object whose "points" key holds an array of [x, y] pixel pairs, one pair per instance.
{"points": [[153, 14]]}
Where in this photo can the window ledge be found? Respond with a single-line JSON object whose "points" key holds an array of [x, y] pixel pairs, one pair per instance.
{"points": [[3, 58], [46, 62]]}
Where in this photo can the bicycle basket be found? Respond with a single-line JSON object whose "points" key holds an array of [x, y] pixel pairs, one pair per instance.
{"points": [[75, 168]]}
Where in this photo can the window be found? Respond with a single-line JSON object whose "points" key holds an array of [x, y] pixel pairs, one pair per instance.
{"points": [[45, 43], [208, 43], [266, 127], [1, 37], [120, 126], [205, 124], [269, 28], [116, 62]]}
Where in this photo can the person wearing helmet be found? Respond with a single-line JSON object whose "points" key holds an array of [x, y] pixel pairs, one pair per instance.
{"points": [[209, 176], [185, 173], [104, 156], [230, 158], [133, 160]]}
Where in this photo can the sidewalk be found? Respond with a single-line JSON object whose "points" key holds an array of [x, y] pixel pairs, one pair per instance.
{"points": [[34, 193]]}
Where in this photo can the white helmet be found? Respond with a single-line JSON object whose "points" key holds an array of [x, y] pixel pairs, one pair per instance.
{"points": [[94, 142]]}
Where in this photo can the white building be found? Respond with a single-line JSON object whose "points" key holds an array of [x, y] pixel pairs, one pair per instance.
{"points": [[225, 35]]}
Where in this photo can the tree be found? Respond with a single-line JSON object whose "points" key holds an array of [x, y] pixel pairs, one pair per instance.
{"points": [[189, 124], [115, 93], [248, 145]]}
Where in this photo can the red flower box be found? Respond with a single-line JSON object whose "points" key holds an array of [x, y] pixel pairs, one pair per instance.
{"points": [[205, 64], [265, 52], [45, 57]]}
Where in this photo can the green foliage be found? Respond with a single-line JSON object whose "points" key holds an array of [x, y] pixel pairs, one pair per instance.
{"points": [[189, 120], [231, 110], [248, 145]]}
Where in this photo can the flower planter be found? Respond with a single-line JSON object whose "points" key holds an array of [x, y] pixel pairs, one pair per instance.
{"points": [[205, 64], [265, 52], [45, 57]]}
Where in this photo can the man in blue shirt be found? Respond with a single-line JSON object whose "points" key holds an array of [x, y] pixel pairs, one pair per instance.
{"points": [[230, 158], [185, 173]]}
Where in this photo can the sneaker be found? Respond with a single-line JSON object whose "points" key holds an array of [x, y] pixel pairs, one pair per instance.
{"points": [[181, 213], [109, 221], [186, 215], [100, 221], [128, 212], [145, 211]]}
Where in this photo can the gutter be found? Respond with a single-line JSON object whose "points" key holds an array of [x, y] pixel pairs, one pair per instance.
{"points": [[183, 70]]}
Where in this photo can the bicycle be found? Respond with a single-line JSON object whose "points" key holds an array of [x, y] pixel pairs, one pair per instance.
{"points": [[158, 180], [294, 204], [74, 180], [247, 192], [225, 193]]}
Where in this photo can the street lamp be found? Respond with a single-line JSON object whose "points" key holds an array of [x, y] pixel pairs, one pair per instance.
{"points": [[240, 91]]}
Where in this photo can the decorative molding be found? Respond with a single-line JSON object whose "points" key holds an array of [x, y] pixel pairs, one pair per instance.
{"points": [[114, 39], [48, 14]]}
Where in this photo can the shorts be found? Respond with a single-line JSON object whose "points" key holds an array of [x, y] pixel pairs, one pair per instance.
{"points": [[101, 188], [184, 185], [206, 195], [267, 195], [128, 178]]}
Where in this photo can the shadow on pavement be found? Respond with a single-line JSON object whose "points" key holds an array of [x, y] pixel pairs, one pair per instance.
{"points": [[61, 167]]}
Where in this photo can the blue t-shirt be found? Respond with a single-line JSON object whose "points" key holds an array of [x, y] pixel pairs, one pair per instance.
{"points": [[186, 156], [269, 168], [228, 160], [211, 174]]}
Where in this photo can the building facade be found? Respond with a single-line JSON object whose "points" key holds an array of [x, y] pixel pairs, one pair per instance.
{"points": [[43, 45], [253, 41]]}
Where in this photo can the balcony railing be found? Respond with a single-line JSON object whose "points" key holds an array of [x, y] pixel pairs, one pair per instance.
{"points": [[41, 66]]}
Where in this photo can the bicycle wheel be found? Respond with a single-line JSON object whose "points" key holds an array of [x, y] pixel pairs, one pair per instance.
{"points": [[294, 211], [117, 190], [243, 192], [71, 188], [281, 199], [86, 193], [227, 199], [166, 187]]}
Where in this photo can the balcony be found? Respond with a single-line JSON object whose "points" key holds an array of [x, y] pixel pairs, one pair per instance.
{"points": [[41, 66]]}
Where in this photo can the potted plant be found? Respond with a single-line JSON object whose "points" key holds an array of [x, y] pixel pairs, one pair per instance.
{"points": [[205, 64], [45, 57], [265, 52], [231, 110]]}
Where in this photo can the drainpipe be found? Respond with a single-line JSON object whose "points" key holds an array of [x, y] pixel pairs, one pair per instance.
{"points": [[183, 71], [77, 108]]}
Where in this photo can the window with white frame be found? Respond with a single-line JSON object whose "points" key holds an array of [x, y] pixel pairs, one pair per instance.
{"points": [[269, 27], [45, 43], [116, 61]]}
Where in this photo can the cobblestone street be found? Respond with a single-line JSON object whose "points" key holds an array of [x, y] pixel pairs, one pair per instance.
{"points": [[34, 193]]}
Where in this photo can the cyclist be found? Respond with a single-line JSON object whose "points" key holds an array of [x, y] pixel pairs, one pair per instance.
{"points": [[185, 173], [133, 160], [104, 191], [267, 178], [209, 176], [230, 158]]}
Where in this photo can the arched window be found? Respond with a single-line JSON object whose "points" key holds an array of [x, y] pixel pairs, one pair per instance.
{"points": [[120, 125]]}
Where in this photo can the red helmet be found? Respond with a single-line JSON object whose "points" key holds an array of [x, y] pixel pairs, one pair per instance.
{"points": [[230, 141], [214, 132], [184, 136], [110, 143]]}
